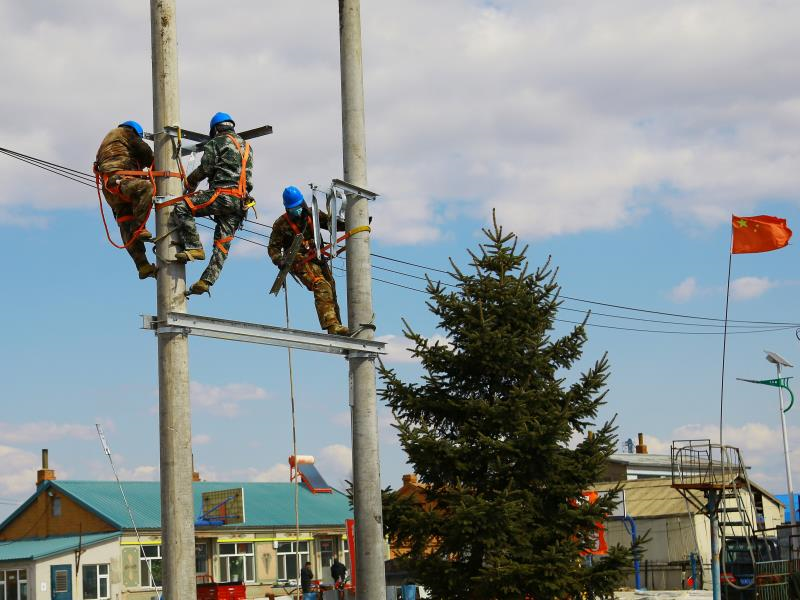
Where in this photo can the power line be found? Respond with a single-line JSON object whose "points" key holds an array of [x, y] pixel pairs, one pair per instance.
{"points": [[85, 179]]}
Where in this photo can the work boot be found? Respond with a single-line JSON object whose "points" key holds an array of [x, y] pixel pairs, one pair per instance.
{"points": [[338, 329], [147, 270], [200, 287], [191, 254], [145, 235]]}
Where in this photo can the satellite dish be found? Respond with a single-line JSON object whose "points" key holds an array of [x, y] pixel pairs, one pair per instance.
{"points": [[777, 359]]}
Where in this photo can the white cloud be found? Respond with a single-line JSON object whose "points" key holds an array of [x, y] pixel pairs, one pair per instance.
{"points": [[277, 472], [335, 463], [747, 288], [684, 291], [225, 400], [17, 472], [44, 431], [139, 473], [761, 447], [397, 347], [760, 444], [201, 439], [564, 115]]}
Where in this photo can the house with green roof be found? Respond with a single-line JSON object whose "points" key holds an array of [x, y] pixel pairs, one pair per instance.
{"points": [[81, 540]]}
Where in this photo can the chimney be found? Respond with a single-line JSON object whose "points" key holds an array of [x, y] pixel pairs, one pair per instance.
{"points": [[195, 474], [44, 474], [640, 447], [409, 479]]}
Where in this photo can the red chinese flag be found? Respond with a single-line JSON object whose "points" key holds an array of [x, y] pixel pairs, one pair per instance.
{"points": [[759, 234]]}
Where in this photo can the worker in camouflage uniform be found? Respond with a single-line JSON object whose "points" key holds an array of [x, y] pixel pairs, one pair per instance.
{"points": [[228, 165], [129, 197], [306, 268]]}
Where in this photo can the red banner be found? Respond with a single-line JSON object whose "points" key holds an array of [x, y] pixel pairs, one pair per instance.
{"points": [[350, 524]]}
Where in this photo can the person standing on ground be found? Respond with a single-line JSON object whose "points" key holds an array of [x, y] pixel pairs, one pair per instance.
{"points": [[130, 196], [306, 575], [338, 573]]}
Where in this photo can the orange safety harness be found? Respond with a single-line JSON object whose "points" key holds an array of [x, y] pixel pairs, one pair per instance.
{"points": [[238, 192], [114, 189], [325, 250]]}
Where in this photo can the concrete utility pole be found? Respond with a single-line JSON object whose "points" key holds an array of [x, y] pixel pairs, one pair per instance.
{"points": [[177, 518], [370, 576]]}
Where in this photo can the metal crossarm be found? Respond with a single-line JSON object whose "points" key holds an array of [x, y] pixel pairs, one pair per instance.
{"points": [[196, 140], [255, 333]]}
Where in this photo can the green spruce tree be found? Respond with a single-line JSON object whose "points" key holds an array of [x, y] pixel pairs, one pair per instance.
{"points": [[490, 430]]}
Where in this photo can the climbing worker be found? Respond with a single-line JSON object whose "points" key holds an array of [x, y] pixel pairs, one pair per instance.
{"points": [[121, 159], [311, 272], [228, 165]]}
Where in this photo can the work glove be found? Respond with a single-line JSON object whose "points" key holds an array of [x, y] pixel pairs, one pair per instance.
{"points": [[192, 181]]}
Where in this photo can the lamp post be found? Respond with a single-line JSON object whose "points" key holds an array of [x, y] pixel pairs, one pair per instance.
{"points": [[782, 383], [779, 362]]}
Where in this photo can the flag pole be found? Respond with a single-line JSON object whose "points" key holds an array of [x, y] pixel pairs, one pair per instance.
{"points": [[725, 337]]}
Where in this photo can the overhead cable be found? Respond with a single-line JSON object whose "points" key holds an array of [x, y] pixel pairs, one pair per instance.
{"points": [[753, 326]]}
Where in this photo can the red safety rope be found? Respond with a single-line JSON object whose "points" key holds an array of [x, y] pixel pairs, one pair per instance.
{"points": [[149, 174]]}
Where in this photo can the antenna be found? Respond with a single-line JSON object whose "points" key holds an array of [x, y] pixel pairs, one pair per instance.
{"points": [[107, 451]]}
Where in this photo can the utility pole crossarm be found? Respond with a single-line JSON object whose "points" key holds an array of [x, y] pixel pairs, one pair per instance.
{"points": [[269, 335]]}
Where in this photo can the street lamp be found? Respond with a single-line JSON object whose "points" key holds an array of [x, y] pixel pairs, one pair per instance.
{"points": [[782, 383], [779, 361]]}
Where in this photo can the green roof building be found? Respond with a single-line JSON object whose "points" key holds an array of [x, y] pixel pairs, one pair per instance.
{"points": [[80, 540]]}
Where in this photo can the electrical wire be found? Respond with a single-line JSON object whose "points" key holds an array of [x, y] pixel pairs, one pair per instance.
{"points": [[752, 326]]}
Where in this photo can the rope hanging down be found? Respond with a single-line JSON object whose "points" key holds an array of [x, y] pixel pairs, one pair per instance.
{"points": [[114, 188], [294, 449]]}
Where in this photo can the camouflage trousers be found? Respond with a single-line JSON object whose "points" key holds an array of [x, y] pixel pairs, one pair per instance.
{"points": [[228, 213], [318, 279], [139, 194]]}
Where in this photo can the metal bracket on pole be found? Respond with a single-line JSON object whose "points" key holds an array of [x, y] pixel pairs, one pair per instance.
{"points": [[336, 202], [192, 141], [239, 331], [315, 222], [781, 382], [349, 188], [361, 354]]}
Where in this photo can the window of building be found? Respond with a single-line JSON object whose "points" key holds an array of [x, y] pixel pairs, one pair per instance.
{"points": [[325, 548], [201, 559], [346, 553], [14, 584], [56, 507], [95, 582], [150, 559], [287, 563], [61, 581], [237, 562]]}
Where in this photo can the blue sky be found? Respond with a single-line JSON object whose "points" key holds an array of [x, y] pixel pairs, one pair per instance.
{"points": [[617, 137]]}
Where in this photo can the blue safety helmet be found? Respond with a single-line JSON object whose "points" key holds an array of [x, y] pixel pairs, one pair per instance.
{"points": [[218, 118], [292, 197], [133, 125]]}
